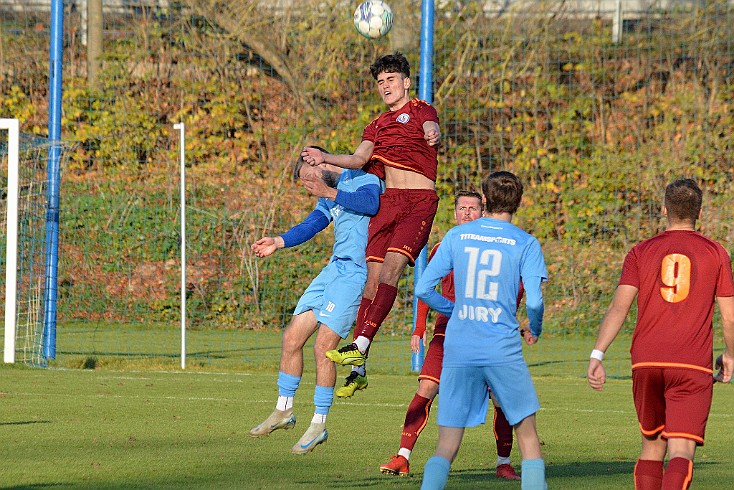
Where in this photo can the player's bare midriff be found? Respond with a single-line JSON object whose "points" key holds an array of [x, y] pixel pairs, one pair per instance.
{"points": [[396, 178]]}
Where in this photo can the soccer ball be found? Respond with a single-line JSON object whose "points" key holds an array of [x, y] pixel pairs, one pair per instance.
{"points": [[373, 18]]}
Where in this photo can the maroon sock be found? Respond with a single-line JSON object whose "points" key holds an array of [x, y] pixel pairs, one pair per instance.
{"points": [[648, 474], [380, 307], [502, 433], [415, 419], [364, 306], [678, 474]]}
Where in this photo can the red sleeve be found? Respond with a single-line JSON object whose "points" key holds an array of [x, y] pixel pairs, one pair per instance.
{"points": [[421, 319], [427, 113], [422, 316], [630, 273], [370, 131], [725, 285]]}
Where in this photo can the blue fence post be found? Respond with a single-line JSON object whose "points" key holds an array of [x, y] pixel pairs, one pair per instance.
{"points": [[54, 178], [425, 92]]}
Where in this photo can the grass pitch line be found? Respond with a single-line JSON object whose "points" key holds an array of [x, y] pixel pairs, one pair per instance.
{"points": [[123, 397]]}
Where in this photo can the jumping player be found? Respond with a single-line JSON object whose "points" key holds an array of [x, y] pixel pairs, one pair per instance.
{"points": [[329, 305], [675, 276], [490, 257], [467, 207], [399, 146]]}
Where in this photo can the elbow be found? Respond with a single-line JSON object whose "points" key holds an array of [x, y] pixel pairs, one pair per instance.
{"points": [[534, 305], [422, 294], [373, 207]]}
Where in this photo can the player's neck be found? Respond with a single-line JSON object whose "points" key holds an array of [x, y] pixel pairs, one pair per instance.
{"points": [[500, 216], [681, 226], [399, 104]]}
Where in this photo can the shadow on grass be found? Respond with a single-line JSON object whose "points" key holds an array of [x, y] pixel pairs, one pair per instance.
{"points": [[481, 477], [26, 422], [598, 468]]}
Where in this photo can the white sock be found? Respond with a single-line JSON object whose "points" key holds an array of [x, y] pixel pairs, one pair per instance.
{"points": [[501, 460], [404, 452], [361, 370], [284, 403], [318, 418], [362, 343]]}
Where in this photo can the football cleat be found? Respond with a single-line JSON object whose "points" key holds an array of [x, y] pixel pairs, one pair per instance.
{"points": [[398, 465], [314, 435], [349, 354], [279, 419], [507, 472], [354, 382]]}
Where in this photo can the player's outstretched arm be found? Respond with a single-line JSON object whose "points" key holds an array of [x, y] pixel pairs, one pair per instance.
{"points": [[725, 362], [363, 153], [608, 330]]}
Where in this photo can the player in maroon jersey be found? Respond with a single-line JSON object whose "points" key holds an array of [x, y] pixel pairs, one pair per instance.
{"points": [[676, 276], [467, 207], [399, 146]]}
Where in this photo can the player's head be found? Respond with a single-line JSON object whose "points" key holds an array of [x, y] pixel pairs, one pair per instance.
{"points": [[326, 172], [392, 73], [683, 200], [467, 206], [502, 192], [391, 63]]}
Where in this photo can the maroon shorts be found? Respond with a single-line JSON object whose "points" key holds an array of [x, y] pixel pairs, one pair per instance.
{"points": [[672, 402], [433, 363], [402, 224]]}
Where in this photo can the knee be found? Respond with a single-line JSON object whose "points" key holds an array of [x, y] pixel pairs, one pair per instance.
{"points": [[427, 389], [319, 352], [320, 348], [289, 343]]}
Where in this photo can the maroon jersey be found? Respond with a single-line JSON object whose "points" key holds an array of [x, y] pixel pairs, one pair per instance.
{"points": [[447, 289], [398, 140], [678, 274]]}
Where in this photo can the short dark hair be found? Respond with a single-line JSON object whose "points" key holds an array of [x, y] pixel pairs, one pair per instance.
{"points": [[502, 191], [300, 163], [468, 193], [391, 63], [683, 199]]}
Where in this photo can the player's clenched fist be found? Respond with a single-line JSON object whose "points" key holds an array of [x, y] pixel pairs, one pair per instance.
{"points": [[312, 156], [432, 137]]}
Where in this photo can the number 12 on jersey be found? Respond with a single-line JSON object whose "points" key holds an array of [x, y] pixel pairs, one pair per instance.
{"points": [[479, 270]]}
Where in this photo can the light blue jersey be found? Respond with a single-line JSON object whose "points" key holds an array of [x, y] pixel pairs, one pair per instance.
{"points": [[334, 295], [350, 227], [489, 257]]}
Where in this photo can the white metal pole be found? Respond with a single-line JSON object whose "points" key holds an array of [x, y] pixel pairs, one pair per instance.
{"points": [[617, 24], [182, 149], [11, 246]]}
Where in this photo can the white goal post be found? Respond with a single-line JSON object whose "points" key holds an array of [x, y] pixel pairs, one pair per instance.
{"points": [[11, 265]]}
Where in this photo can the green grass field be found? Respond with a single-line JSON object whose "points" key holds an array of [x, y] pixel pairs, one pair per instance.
{"points": [[108, 428]]}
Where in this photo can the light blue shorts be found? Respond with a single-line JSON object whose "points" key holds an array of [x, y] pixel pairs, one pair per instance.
{"points": [[463, 397], [334, 295]]}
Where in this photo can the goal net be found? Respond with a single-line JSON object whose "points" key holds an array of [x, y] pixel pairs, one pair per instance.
{"points": [[23, 205]]}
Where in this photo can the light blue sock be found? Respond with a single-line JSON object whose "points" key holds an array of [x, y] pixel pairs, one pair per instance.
{"points": [[287, 384], [533, 474], [435, 473], [323, 396]]}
